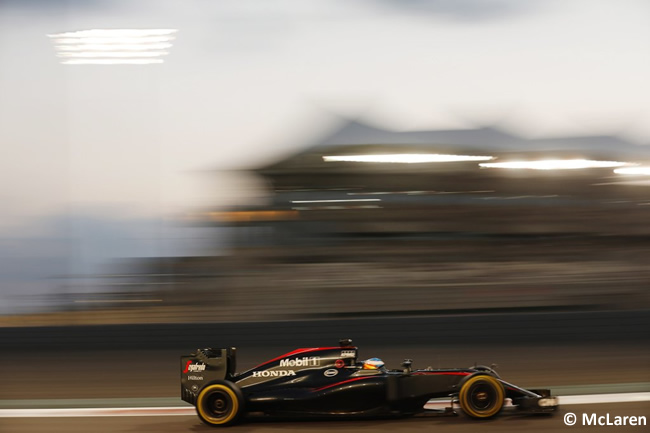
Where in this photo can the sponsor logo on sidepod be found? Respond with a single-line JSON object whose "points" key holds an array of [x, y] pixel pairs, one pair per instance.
{"points": [[193, 368], [274, 373], [348, 353], [330, 373], [313, 361]]}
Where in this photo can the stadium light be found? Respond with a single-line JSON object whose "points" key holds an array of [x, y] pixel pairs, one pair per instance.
{"points": [[406, 158], [554, 164], [113, 46]]}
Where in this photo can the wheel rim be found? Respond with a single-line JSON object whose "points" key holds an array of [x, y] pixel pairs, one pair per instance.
{"points": [[482, 397], [218, 405]]}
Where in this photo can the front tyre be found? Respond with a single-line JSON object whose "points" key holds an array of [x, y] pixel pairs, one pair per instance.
{"points": [[220, 404], [481, 396]]}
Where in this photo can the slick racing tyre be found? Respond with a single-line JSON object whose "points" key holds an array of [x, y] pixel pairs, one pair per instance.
{"points": [[220, 404], [481, 396]]}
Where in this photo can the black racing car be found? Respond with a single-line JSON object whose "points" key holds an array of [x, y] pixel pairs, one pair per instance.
{"points": [[329, 382]]}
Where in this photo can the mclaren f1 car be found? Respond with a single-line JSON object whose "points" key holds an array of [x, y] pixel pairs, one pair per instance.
{"points": [[330, 382]]}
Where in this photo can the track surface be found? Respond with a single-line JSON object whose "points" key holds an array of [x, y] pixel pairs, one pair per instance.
{"points": [[508, 423], [141, 374], [143, 362]]}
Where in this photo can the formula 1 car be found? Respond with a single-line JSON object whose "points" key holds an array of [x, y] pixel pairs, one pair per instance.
{"points": [[329, 382]]}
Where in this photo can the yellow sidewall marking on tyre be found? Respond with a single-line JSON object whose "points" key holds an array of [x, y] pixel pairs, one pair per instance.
{"points": [[464, 402], [233, 397]]}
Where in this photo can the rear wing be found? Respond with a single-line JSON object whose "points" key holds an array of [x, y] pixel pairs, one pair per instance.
{"points": [[203, 367]]}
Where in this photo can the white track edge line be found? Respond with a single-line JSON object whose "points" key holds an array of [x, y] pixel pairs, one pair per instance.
{"points": [[98, 412], [629, 397]]}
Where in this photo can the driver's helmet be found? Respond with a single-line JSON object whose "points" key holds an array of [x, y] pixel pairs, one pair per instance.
{"points": [[373, 364]]}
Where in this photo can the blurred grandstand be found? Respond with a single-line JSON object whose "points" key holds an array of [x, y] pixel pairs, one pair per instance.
{"points": [[339, 238]]}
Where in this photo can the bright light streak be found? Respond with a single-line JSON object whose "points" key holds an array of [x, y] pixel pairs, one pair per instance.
{"points": [[113, 40], [113, 47], [643, 171], [554, 164], [406, 158], [334, 201], [367, 206], [112, 61], [120, 54], [101, 33]]}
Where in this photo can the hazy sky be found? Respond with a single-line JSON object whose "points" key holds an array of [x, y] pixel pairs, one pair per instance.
{"points": [[96, 160], [249, 81]]}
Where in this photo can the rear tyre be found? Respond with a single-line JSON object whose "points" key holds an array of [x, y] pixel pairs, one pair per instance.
{"points": [[481, 396], [220, 404]]}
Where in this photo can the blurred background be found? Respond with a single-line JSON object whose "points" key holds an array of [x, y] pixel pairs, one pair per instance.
{"points": [[172, 165], [454, 171]]}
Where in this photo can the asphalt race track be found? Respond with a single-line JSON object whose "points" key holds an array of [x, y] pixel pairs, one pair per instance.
{"points": [[507, 423], [44, 369]]}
